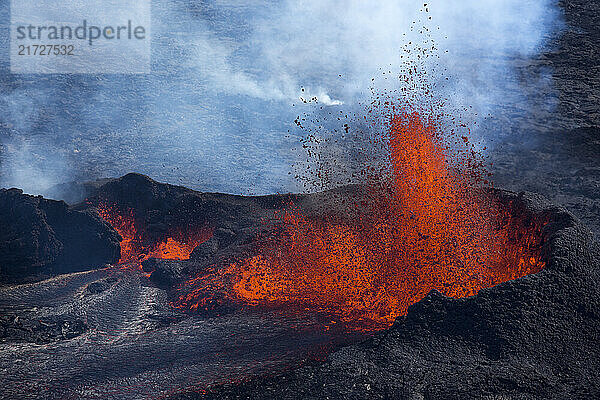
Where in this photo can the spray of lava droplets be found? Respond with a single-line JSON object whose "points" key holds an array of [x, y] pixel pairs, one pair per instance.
{"points": [[421, 226]]}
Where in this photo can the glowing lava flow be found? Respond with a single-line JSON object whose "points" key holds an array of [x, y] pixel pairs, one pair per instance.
{"points": [[422, 228], [135, 249]]}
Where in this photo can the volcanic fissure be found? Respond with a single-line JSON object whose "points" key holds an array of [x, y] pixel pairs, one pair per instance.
{"points": [[425, 221]]}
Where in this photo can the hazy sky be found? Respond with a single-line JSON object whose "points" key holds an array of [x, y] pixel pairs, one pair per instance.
{"points": [[215, 113]]}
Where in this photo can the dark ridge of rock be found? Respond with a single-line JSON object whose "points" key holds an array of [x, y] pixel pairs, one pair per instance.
{"points": [[41, 237], [27, 242], [158, 208], [532, 338], [161, 204], [22, 328]]}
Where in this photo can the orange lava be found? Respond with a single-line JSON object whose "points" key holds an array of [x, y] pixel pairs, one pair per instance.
{"points": [[135, 248], [173, 250], [421, 228]]}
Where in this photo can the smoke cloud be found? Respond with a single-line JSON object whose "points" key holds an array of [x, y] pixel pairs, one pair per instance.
{"points": [[228, 80]]}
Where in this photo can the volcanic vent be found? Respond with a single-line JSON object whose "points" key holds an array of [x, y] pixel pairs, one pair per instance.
{"points": [[425, 218], [420, 225]]}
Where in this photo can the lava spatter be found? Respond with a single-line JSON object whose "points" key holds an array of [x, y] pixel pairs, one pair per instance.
{"points": [[421, 226], [135, 248]]}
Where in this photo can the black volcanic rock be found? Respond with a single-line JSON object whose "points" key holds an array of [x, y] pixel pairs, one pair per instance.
{"points": [[160, 208], [41, 237], [207, 251], [16, 328], [532, 338], [166, 273]]}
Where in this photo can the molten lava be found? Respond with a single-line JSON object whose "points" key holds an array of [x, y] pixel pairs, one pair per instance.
{"points": [[136, 247], [421, 227]]}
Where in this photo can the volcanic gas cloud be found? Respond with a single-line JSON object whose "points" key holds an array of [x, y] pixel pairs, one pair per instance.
{"points": [[424, 223]]}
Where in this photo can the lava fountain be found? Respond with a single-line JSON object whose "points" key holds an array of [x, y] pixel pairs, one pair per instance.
{"points": [[136, 247], [425, 223]]}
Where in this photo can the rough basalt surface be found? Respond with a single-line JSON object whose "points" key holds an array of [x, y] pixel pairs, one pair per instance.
{"points": [[535, 337], [41, 238], [22, 327]]}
